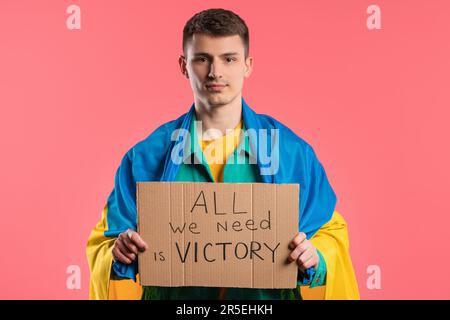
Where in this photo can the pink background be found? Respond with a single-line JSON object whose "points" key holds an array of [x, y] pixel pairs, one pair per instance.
{"points": [[374, 104]]}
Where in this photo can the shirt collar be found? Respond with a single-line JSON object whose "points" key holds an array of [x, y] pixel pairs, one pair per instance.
{"points": [[194, 147]]}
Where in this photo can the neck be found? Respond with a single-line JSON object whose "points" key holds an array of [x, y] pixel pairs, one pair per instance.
{"points": [[219, 117]]}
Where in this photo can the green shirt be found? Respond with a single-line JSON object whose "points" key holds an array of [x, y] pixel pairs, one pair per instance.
{"points": [[241, 167]]}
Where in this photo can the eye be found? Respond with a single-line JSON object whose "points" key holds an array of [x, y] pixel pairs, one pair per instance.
{"points": [[201, 59], [230, 59]]}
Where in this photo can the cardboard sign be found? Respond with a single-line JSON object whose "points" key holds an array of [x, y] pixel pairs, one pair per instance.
{"points": [[217, 234]]}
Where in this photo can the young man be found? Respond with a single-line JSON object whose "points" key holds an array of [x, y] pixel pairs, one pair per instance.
{"points": [[216, 61]]}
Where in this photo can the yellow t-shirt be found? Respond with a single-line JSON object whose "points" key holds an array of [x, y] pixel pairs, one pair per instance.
{"points": [[216, 153]]}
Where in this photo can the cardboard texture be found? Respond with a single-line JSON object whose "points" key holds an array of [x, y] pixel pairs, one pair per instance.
{"points": [[217, 234]]}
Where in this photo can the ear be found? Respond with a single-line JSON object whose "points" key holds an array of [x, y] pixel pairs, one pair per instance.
{"points": [[182, 63], [248, 66]]}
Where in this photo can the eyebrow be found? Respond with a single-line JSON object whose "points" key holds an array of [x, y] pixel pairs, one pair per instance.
{"points": [[210, 56]]}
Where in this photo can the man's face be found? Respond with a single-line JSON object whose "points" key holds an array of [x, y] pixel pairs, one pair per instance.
{"points": [[216, 68]]}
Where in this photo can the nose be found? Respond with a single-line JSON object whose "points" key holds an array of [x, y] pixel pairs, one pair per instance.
{"points": [[214, 71]]}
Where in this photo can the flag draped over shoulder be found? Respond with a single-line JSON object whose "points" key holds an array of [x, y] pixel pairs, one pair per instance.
{"points": [[292, 161]]}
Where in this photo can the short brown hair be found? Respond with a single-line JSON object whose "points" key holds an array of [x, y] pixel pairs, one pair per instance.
{"points": [[216, 22]]}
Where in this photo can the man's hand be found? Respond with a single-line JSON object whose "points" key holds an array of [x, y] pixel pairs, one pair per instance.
{"points": [[127, 246], [303, 252]]}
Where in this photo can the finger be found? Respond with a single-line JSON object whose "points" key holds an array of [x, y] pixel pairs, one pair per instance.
{"points": [[118, 256], [124, 250], [298, 251], [137, 240], [310, 263], [304, 265], [298, 239], [130, 246], [303, 258]]}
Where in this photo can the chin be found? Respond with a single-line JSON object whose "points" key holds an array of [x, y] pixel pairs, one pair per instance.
{"points": [[218, 101]]}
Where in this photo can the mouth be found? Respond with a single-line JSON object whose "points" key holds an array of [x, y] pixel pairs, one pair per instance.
{"points": [[215, 87]]}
